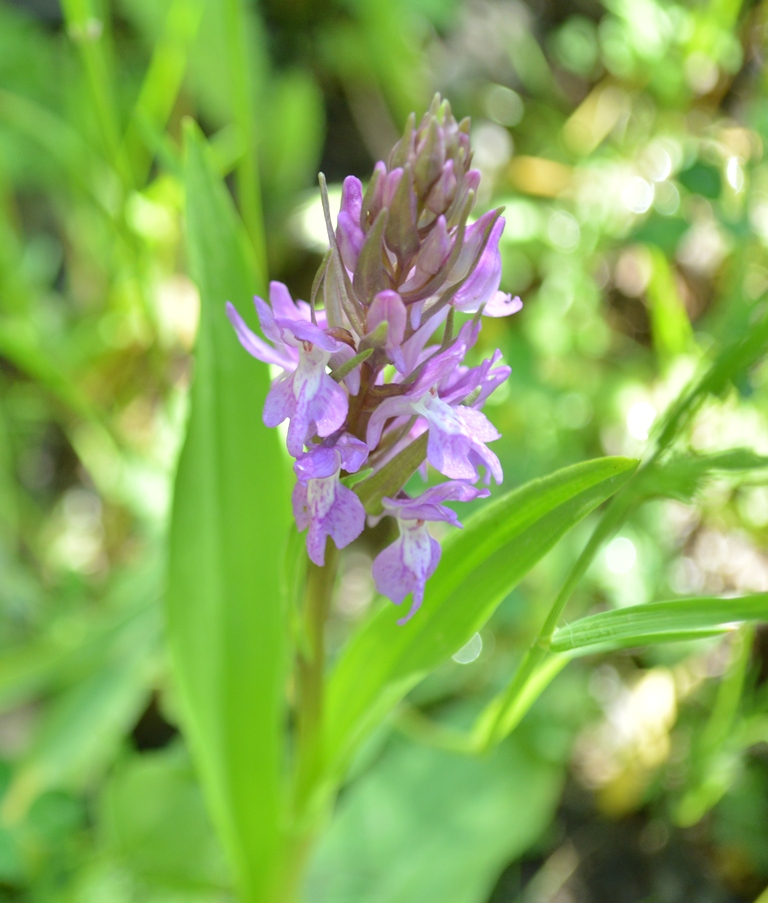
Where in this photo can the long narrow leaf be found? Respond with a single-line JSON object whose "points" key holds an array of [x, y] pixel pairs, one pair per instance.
{"points": [[659, 622], [479, 568], [227, 628]]}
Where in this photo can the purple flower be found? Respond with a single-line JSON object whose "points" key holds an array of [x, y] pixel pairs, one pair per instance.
{"points": [[406, 565], [321, 502], [481, 289], [477, 382], [387, 307], [457, 433], [305, 394]]}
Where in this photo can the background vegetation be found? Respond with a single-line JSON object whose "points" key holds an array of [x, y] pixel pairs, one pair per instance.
{"points": [[626, 140]]}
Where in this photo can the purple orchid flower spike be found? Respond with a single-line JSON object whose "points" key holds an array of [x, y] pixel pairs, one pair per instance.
{"points": [[371, 359], [321, 502], [405, 566]]}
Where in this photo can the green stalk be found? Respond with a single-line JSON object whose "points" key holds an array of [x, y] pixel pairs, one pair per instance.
{"points": [[309, 805]]}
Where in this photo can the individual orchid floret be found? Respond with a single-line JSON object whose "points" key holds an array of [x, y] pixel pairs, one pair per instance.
{"points": [[321, 502], [305, 394], [481, 289], [405, 566], [473, 385], [457, 434]]}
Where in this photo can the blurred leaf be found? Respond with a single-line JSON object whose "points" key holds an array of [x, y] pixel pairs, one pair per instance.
{"points": [[8, 495], [664, 232], [671, 328], [77, 644], [162, 82], [425, 826], [156, 823], [291, 152], [226, 618], [83, 725], [659, 622], [680, 477], [703, 179], [731, 362], [479, 568]]}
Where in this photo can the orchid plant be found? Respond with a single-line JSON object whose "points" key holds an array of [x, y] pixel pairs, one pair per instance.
{"points": [[376, 398]]}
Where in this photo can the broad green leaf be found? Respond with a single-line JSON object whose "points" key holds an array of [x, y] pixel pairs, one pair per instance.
{"points": [[659, 622], [427, 826], [230, 514], [480, 566]]}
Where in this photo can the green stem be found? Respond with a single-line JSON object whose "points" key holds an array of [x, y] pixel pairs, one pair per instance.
{"points": [[309, 807], [310, 680]]}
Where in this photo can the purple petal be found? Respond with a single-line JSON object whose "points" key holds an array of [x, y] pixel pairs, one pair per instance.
{"points": [[477, 424], [255, 346], [388, 306], [281, 301], [300, 506], [406, 565], [279, 403], [316, 464], [502, 305], [328, 407], [483, 283], [316, 543], [473, 240], [390, 407], [346, 519], [487, 378], [353, 452], [267, 321], [429, 506], [308, 332], [349, 234], [344, 354]]}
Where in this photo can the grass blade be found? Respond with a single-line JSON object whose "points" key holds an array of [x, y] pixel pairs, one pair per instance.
{"points": [[659, 622]]}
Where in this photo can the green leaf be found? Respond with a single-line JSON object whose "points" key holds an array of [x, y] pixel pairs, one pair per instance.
{"points": [[672, 333], [479, 568], [427, 826], [230, 514], [659, 622], [154, 821], [681, 477], [85, 724]]}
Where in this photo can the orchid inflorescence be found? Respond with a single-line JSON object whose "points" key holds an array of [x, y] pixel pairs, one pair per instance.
{"points": [[375, 378]]}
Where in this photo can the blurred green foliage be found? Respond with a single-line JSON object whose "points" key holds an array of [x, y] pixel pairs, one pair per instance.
{"points": [[627, 142]]}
